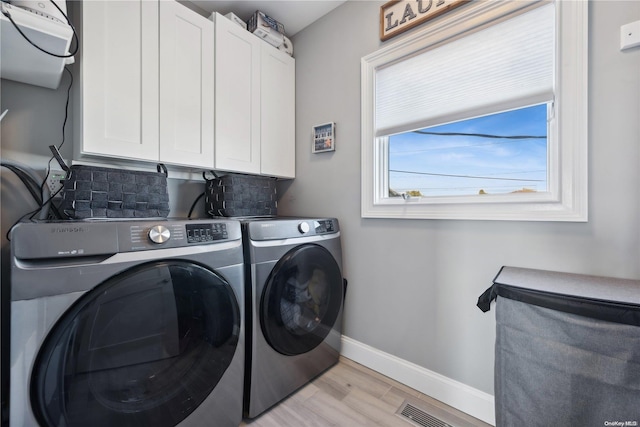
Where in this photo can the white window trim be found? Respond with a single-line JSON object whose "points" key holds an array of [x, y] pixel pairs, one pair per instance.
{"points": [[567, 199]]}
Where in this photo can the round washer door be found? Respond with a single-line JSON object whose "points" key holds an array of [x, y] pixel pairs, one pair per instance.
{"points": [[301, 300], [144, 348]]}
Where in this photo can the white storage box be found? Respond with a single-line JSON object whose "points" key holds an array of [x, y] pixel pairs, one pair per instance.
{"points": [[231, 17], [235, 18], [286, 46], [266, 28]]}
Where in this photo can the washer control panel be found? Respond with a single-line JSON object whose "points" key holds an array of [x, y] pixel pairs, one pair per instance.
{"points": [[324, 226], [199, 233], [69, 239], [174, 234]]}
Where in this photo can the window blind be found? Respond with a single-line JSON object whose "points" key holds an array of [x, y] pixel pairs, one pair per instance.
{"points": [[507, 65]]}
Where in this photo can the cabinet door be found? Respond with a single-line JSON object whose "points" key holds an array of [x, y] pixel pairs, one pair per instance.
{"points": [[120, 79], [277, 117], [186, 86], [237, 98]]}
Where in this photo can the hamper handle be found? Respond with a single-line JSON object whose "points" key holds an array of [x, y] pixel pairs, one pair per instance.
{"points": [[484, 301], [204, 175], [161, 168]]}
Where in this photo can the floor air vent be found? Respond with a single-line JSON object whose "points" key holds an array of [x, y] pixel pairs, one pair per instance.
{"points": [[419, 417]]}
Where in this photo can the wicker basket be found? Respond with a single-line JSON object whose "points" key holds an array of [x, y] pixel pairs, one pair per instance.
{"points": [[98, 192], [235, 195]]}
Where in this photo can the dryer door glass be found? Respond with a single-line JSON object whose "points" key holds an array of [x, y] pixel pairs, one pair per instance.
{"points": [[301, 300], [144, 348]]}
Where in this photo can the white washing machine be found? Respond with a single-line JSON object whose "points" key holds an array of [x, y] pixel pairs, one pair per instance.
{"points": [[127, 323], [295, 293]]}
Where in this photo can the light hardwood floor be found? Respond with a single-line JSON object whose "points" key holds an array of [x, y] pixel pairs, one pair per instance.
{"points": [[349, 395]]}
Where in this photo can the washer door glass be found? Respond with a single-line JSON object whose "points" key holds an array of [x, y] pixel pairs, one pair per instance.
{"points": [[301, 300], [144, 348]]}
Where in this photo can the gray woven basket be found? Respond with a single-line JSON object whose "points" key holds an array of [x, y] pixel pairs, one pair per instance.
{"points": [[234, 195], [98, 192]]}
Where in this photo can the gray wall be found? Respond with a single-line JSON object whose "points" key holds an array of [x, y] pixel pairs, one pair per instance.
{"points": [[413, 284]]}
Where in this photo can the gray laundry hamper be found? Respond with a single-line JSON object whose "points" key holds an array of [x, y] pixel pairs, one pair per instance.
{"points": [[567, 349]]}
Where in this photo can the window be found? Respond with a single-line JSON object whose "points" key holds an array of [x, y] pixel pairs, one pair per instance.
{"points": [[482, 115], [472, 156]]}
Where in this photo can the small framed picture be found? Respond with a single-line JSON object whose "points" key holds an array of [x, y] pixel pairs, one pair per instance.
{"points": [[324, 138]]}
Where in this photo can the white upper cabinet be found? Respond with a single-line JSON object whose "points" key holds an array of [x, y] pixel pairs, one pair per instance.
{"points": [[277, 113], [147, 82], [161, 83], [119, 79], [255, 104], [237, 98], [186, 86]]}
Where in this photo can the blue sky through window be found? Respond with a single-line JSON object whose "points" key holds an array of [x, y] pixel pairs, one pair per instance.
{"points": [[473, 156]]}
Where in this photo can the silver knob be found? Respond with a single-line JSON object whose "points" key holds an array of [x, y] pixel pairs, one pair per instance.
{"points": [[159, 234], [303, 227]]}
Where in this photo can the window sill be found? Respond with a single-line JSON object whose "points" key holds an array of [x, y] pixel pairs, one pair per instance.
{"points": [[463, 209]]}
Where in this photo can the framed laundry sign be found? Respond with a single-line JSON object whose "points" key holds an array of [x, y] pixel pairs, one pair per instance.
{"points": [[324, 138], [398, 16]]}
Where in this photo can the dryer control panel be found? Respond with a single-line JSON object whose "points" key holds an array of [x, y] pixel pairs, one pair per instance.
{"points": [[286, 228]]}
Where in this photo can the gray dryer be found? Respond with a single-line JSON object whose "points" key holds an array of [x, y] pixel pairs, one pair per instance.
{"points": [[295, 294]]}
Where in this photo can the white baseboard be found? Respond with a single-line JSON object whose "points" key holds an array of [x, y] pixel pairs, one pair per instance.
{"points": [[464, 398]]}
